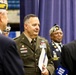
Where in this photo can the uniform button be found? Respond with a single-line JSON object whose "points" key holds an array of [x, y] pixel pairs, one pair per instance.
{"points": [[36, 59], [35, 54]]}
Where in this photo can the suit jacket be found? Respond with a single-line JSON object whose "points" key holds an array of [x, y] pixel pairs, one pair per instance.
{"points": [[10, 61], [31, 56], [56, 54], [68, 57]]}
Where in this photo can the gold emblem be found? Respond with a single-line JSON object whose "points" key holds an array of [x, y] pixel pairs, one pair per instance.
{"points": [[55, 56], [55, 46], [3, 6]]}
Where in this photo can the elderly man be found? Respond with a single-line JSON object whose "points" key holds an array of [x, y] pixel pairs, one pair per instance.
{"points": [[10, 61], [56, 36]]}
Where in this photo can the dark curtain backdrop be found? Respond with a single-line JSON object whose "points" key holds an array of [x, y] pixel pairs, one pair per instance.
{"points": [[61, 12]]}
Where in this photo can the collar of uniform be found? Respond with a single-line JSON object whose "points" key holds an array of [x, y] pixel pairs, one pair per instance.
{"points": [[28, 38], [57, 43], [0, 31]]}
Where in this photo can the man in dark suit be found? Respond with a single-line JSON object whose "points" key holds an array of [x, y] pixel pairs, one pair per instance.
{"points": [[56, 36], [10, 61], [68, 57], [29, 54]]}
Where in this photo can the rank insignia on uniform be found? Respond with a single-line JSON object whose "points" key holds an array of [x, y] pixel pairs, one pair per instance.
{"points": [[55, 46], [42, 44], [55, 57], [23, 50]]}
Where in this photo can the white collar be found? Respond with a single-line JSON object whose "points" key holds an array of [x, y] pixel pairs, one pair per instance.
{"points": [[0, 31]]}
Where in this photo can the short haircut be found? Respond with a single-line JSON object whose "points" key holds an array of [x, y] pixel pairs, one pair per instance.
{"points": [[28, 17]]}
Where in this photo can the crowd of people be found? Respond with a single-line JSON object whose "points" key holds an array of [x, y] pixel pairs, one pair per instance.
{"points": [[31, 54]]}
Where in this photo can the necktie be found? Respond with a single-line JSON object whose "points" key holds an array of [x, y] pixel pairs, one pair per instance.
{"points": [[33, 43], [60, 47], [59, 44]]}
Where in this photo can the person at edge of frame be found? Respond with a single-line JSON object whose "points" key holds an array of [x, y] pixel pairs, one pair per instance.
{"points": [[10, 61]]}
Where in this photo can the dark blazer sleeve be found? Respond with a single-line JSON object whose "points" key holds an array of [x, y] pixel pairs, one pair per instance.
{"points": [[66, 57], [10, 61]]}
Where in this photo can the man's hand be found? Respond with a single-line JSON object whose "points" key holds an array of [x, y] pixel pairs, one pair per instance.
{"points": [[45, 71]]}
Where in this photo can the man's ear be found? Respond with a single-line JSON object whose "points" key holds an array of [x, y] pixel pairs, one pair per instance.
{"points": [[25, 26]]}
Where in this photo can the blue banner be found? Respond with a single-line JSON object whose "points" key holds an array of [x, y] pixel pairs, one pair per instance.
{"points": [[61, 71]]}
